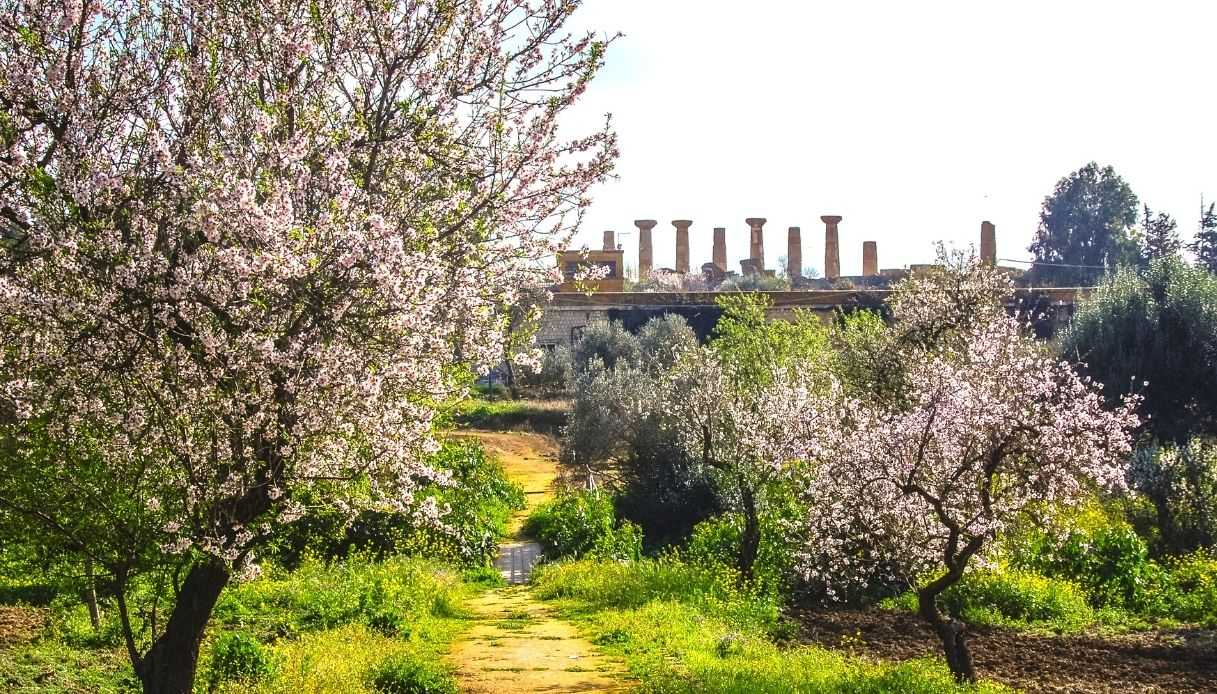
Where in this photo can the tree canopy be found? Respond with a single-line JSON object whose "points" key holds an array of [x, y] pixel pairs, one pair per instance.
{"points": [[1084, 223]]}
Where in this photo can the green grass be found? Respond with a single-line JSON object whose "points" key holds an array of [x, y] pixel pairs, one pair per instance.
{"points": [[683, 629], [323, 629]]}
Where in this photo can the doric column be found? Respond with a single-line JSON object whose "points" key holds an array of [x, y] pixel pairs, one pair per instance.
{"points": [[646, 254], [988, 243], [720, 248], [756, 247], [870, 259], [832, 249], [682, 243], [794, 253], [610, 244]]}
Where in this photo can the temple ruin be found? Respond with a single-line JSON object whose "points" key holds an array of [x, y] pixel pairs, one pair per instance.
{"points": [[715, 272]]}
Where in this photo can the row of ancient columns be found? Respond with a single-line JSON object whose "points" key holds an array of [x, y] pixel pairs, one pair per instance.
{"points": [[794, 247], [756, 247]]}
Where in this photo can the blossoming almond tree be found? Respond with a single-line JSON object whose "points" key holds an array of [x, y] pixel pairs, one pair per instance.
{"points": [[988, 427], [242, 245]]}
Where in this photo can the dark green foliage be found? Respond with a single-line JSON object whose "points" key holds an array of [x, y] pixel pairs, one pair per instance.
{"points": [[658, 486], [1154, 333], [239, 657], [412, 675], [579, 524], [1205, 245], [1086, 221], [1190, 592], [480, 500], [716, 541], [665, 492], [1110, 562], [1159, 237]]}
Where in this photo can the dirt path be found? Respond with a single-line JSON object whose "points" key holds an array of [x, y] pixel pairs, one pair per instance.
{"points": [[517, 644]]}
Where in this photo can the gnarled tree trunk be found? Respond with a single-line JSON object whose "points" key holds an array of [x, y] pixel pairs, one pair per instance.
{"points": [[169, 666], [951, 632]]}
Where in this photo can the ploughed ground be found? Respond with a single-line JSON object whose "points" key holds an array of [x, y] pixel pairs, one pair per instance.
{"points": [[1175, 661]]}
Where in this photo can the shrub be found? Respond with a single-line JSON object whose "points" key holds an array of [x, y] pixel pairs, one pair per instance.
{"points": [[607, 343], [239, 657], [405, 674], [557, 371], [1110, 562], [663, 339], [999, 597], [716, 541], [1190, 591], [1154, 333], [317, 596], [582, 523], [1181, 484]]}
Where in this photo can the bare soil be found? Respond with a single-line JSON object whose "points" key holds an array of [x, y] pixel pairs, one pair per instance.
{"points": [[19, 625], [1176, 661]]}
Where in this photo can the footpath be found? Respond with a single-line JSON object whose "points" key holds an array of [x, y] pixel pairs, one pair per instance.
{"points": [[517, 644]]}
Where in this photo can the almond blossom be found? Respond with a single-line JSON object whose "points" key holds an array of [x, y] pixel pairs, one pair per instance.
{"points": [[988, 426], [241, 245]]}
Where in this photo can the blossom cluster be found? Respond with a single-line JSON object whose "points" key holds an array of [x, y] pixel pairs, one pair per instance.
{"points": [[243, 244]]}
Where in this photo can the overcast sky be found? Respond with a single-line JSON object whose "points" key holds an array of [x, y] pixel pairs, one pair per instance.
{"points": [[915, 121]]}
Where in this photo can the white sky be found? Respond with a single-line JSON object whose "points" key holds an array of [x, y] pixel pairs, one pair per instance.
{"points": [[913, 120]]}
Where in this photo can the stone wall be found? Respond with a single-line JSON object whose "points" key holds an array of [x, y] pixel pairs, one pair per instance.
{"points": [[568, 314]]}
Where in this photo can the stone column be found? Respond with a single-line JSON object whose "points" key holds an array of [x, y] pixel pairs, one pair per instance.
{"points": [[870, 259], [832, 250], [720, 248], [756, 248], [609, 243], [682, 244], [645, 252], [794, 253], [988, 243]]}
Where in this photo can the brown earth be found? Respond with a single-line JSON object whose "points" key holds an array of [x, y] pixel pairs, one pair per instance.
{"points": [[1176, 661], [19, 625]]}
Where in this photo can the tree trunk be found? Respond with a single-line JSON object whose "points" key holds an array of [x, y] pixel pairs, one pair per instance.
{"points": [[169, 667], [951, 632], [750, 540], [91, 594]]}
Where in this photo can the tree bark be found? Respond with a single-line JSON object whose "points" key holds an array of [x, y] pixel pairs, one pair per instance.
{"points": [[951, 632], [169, 667], [91, 594], [750, 540]]}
